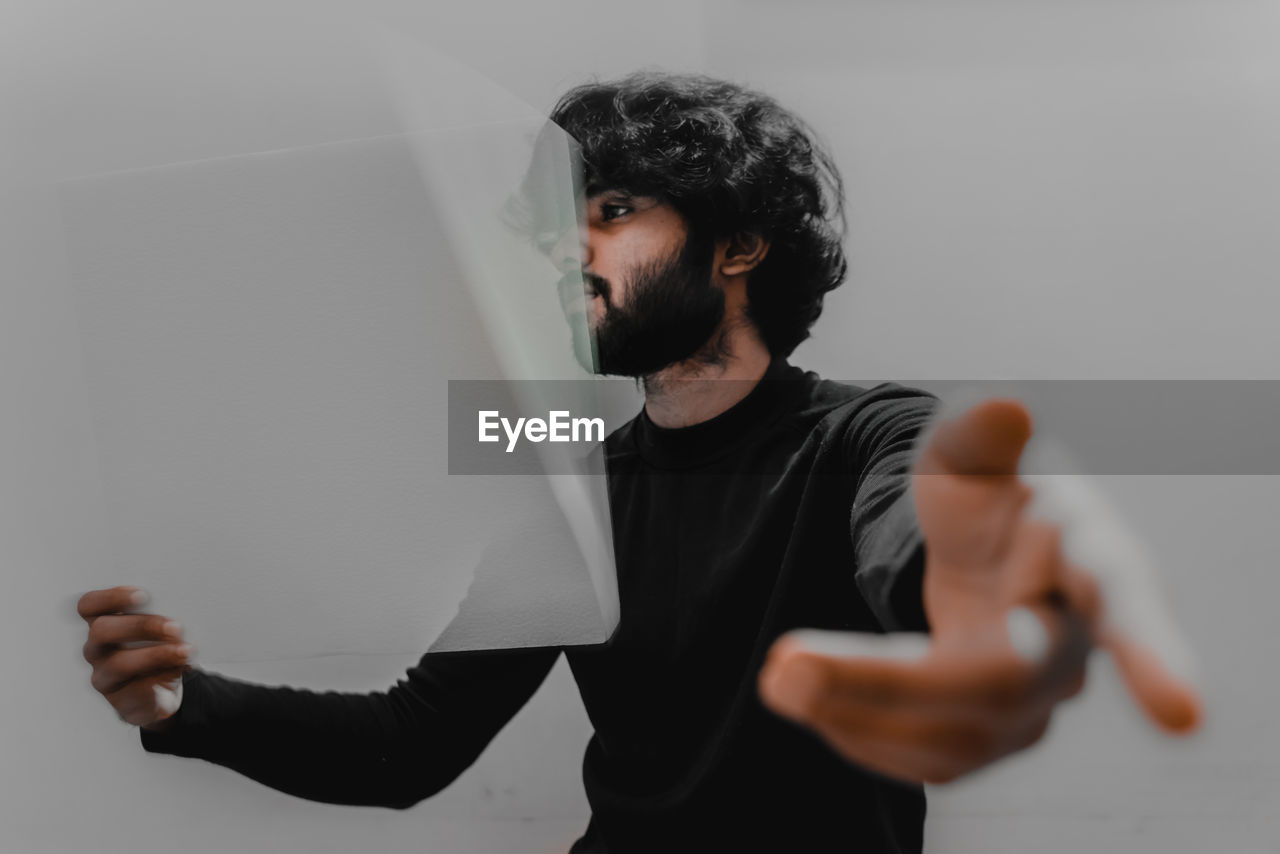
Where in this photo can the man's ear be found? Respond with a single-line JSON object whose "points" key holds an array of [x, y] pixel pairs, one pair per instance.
{"points": [[743, 253]]}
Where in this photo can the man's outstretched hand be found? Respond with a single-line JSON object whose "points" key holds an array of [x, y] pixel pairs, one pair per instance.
{"points": [[1012, 622]]}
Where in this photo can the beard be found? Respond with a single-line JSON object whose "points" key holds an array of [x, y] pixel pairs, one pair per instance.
{"points": [[672, 312]]}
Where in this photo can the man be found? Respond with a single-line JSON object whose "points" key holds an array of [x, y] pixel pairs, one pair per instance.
{"points": [[749, 499]]}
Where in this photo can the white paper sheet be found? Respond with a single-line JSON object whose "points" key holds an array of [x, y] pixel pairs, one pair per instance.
{"points": [[267, 343]]}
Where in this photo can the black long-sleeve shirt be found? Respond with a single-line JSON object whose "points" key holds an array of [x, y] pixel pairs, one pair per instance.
{"points": [[789, 510]]}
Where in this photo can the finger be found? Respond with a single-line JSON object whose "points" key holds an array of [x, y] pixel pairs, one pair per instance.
{"points": [[1052, 621], [964, 483], [1033, 564], [795, 677], [1081, 594], [917, 741], [891, 740], [1057, 641], [985, 439], [113, 600], [1056, 606], [806, 667], [1152, 656], [1168, 700], [887, 725], [111, 630], [114, 671]]}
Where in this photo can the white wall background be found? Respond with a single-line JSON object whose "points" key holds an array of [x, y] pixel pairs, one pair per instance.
{"points": [[1045, 189]]}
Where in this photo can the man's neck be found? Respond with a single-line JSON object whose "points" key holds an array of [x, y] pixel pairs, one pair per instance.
{"points": [[700, 388]]}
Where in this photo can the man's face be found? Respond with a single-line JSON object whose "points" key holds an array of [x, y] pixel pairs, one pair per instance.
{"points": [[649, 300]]}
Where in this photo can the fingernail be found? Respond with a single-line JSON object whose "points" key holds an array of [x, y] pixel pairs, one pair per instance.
{"points": [[139, 597], [185, 650], [173, 628]]}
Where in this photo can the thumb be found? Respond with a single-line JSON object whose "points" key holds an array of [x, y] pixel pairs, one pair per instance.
{"points": [[964, 483]]}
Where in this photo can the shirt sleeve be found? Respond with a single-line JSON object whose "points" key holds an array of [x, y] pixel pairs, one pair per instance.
{"points": [[887, 543], [389, 749]]}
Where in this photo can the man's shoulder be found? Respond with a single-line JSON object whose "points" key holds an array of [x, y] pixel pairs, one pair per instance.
{"points": [[841, 400], [852, 419]]}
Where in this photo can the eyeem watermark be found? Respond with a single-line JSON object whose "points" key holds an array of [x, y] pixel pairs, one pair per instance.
{"points": [[535, 427], [558, 426], [1109, 427]]}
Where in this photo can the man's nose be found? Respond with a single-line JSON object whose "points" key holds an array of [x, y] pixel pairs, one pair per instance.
{"points": [[569, 250]]}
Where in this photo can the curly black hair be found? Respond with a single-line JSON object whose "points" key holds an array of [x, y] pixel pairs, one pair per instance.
{"points": [[732, 161]]}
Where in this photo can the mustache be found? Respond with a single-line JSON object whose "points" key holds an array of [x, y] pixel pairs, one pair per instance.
{"points": [[573, 283]]}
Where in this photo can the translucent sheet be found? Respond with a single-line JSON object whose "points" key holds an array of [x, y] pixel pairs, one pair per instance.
{"points": [[268, 341]]}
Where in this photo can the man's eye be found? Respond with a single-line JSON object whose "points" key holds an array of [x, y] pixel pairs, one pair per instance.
{"points": [[610, 212]]}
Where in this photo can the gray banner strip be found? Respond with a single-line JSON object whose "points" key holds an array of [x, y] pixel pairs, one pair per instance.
{"points": [[1109, 427]]}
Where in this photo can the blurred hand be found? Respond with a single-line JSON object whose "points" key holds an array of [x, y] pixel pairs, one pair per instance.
{"points": [[1012, 622], [138, 659]]}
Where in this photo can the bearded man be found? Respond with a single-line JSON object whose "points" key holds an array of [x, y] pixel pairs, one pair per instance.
{"points": [[750, 499]]}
